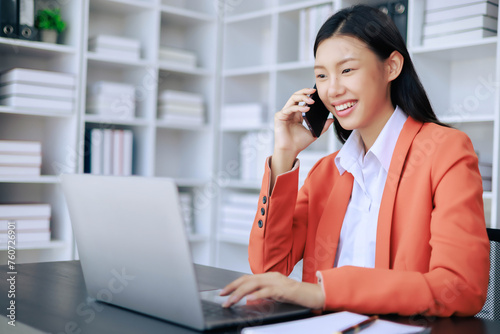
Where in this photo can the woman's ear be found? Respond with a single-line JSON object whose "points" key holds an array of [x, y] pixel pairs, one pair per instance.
{"points": [[394, 65]]}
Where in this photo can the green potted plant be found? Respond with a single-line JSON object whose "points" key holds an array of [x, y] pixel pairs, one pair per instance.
{"points": [[50, 24]]}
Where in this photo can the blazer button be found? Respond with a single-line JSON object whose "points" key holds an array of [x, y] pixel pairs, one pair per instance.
{"points": [[262, 211], [261, 223], [264, 200]]}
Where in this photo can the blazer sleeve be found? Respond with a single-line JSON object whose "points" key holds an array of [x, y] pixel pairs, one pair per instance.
{"points": [[457, 280], [278, 234]]}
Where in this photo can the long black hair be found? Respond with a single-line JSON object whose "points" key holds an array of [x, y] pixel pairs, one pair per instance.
{"points": [[380, 34]]}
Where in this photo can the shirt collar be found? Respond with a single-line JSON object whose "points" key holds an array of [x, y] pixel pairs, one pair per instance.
{"points": [[382, 149]]}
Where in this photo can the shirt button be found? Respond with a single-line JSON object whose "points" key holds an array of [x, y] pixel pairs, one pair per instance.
{"points": [[264, 200], [261, 223], [262, 211]]}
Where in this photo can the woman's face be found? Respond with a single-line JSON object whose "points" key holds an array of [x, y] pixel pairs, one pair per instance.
{"points": [[353, 83]]}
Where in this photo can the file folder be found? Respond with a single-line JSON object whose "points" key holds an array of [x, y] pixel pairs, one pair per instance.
{"points": [[9, 15], [27, 28]]}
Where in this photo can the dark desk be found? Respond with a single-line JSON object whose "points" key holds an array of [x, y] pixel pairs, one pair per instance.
{"points": [[51, 297]]}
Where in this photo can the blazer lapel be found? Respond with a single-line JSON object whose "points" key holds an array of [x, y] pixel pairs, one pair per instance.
{"points": [[383, 250], [330, 224]]}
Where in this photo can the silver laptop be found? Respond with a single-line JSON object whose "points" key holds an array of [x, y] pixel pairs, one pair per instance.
{"points": [[135, 254]]}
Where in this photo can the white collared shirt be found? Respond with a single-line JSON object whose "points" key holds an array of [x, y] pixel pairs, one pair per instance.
{"points": [[359, 230]]}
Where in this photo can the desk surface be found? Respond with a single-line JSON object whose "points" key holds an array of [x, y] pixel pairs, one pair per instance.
{"points": [[51, 297]]}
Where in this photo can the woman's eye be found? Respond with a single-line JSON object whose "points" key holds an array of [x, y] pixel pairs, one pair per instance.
{"points": [[320, 76], [347, 70]]}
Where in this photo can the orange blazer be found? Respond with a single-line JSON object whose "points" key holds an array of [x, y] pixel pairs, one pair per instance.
{"points": [[432, 250]]}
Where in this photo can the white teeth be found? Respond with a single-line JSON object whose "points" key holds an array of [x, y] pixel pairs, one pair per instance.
{"points": [[344, 106]]}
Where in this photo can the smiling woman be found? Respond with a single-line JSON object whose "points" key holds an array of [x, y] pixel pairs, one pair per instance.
{"points": [[391, 223]]}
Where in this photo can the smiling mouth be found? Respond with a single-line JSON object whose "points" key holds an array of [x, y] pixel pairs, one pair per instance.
{"points": [[342, 107]]}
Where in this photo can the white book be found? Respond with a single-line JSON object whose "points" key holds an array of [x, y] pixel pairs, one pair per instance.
{"points": [[96, 151], [115, 41], [229, 213], [111, 88], [177, 96], [254, 109], [474, 22], [447, 14], [118, 152], [37, 91], [127, 152], [20, 147], [37, 103], [441, 4], [122, 112], [242, 123], [109, 101], [107, 152], [458, 37], [235, 231], [23, 75], [24, 210], [177, 56], [20, 160], [180, 109], [19, 171], [116, 54], [25, 224], [26, 237]]}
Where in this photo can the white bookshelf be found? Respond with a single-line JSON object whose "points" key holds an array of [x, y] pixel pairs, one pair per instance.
{"points": [[248, 52], [267, 68]]}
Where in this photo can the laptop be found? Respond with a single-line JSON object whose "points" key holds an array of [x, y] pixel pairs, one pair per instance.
{"points": [[135, 254]]}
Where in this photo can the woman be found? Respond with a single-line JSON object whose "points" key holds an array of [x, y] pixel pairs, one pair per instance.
{"points": [[394, 221]]}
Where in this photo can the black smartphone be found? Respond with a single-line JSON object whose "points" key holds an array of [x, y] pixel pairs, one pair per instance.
{"points": [[316, 116]]}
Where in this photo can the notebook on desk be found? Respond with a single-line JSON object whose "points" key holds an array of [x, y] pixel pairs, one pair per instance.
{"points": [[135, 253]]}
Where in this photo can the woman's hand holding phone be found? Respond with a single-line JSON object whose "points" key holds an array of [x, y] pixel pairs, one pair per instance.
{"points": [[290, 135]]}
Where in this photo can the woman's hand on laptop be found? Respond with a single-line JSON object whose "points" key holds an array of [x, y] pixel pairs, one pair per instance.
{"points": [[274, 286]]}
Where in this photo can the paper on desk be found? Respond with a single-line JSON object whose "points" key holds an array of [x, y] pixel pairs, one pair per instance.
{"points": [[327, 324]]}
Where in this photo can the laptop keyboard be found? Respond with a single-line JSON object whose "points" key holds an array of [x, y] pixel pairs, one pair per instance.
{"points": [[214, 311]]}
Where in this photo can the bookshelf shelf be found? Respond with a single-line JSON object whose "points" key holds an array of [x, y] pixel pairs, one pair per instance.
{"points": [[31, 48], [42, 179], [120, 6], [184, 17], [53, 244], [468, 119], [297, 5], [248, 16], [247, 71], [98, 119], [34, 112], [169, 67], [486, 47]]}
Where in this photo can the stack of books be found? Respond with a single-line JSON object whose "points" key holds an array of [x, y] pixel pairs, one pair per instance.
{"points": [[450, 21], [186, 202], [307, 160], [311, 19], [253, 154], [177, 57], [242, 115], [238, 212], [486, 170], [111, 99], [36, 89], [108, 152], [116, 47], [181, 107], [20, 158], [31, 222]]}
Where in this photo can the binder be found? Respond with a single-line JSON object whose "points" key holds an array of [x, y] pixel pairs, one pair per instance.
{"points": [[398, 12], [27, 30], [9, 15]]}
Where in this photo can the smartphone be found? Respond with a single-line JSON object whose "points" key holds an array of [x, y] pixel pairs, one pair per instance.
{"points": [[316, 116]]}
